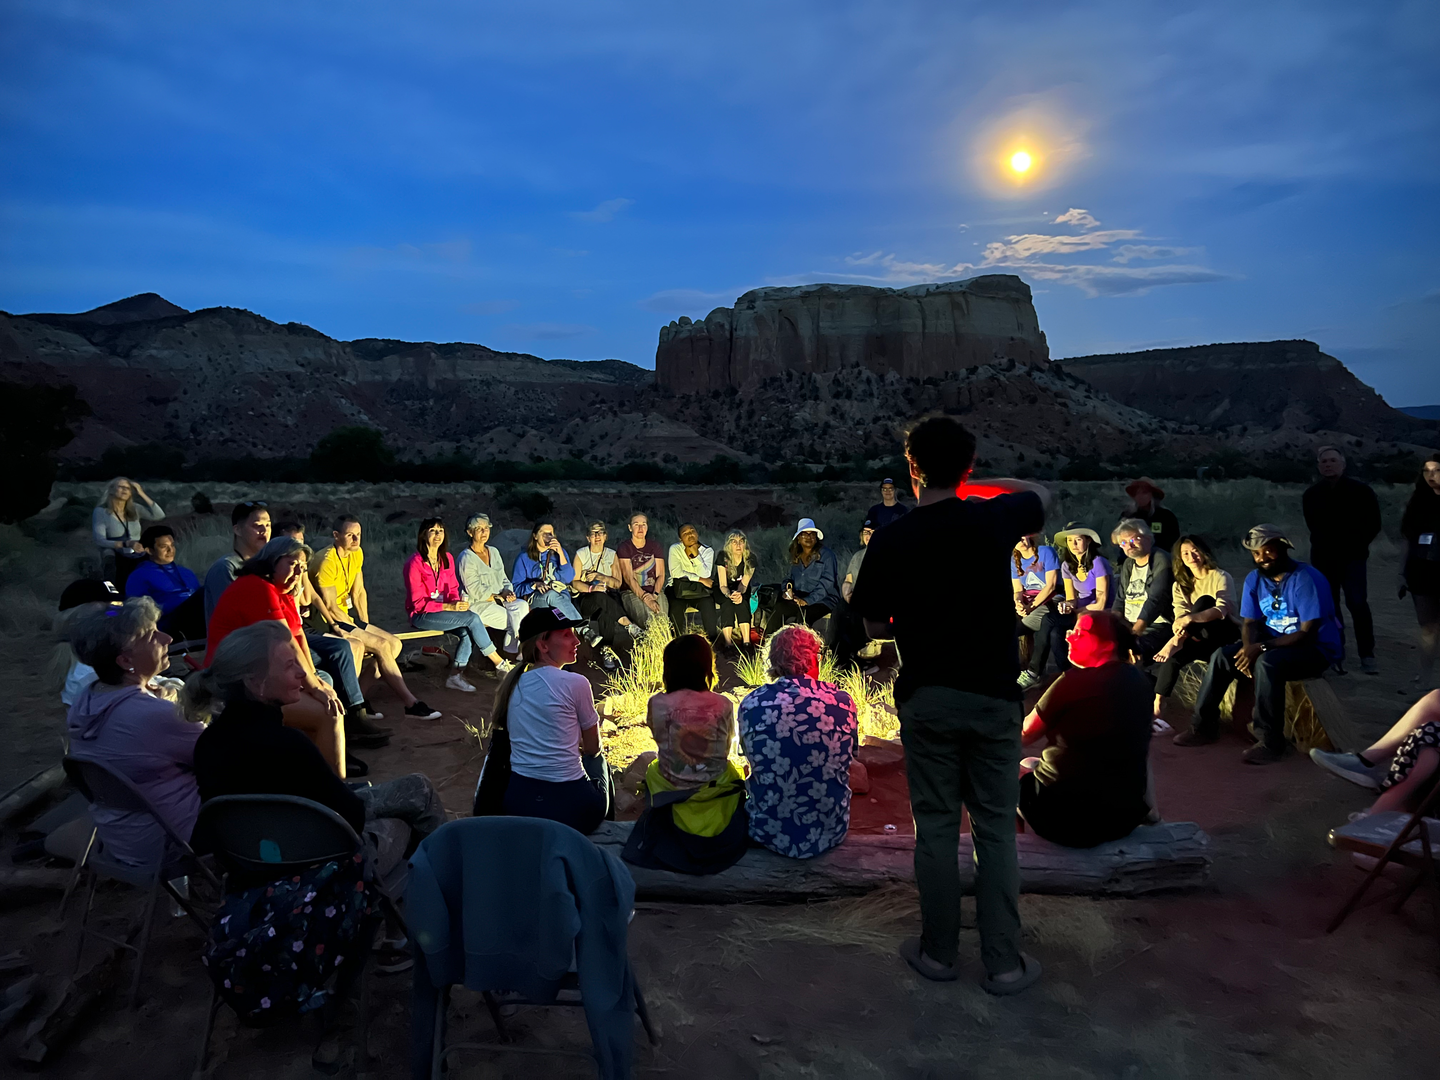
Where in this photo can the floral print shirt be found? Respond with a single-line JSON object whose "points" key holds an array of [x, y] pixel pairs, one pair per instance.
{"points": [[799, 737]]}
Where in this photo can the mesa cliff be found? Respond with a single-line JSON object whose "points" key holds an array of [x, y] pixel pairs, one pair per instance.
{"points": [[925, 331]]}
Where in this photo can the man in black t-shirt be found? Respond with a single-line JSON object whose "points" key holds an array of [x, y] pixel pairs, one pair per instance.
{"points": [[956, 694], [888, 509]]}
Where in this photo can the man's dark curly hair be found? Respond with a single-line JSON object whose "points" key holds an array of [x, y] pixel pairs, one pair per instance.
{"points": [[942, 450]]}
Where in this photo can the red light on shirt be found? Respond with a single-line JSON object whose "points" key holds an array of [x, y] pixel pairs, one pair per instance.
{"points": [[972, 490]]}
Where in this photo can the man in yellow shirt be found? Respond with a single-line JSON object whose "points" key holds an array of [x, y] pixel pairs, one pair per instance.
{"points": [[339, 577]]}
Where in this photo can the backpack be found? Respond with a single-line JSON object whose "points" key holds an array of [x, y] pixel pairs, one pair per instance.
{"points": [[275, 950]]}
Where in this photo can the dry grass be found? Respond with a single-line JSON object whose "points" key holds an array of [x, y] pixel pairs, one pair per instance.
{"points": [[876, 921]]}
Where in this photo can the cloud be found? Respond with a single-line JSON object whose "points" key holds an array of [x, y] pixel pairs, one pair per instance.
{"points": [[1125, 252], [1083, 218], [452, 252], [489, 307], [891, 270], [1028, 245], [546, 331], [606, 211], [1121, 280], [683, 301]]}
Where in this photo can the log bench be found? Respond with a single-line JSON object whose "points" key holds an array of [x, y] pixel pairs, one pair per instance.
{"points": [[1314, 716], [1170, 855]]}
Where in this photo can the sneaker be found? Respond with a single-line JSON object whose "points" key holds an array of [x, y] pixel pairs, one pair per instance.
{"points": [[458, 682], [1368, 665], [369, 713], [503, 667], [1260, 754], [421, 711], [608, 659], [634, 631], [1027, 679], [1350, 767], [1338, 668], [1191, 737]]}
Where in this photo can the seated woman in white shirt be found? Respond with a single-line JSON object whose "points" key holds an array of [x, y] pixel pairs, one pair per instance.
{"points": [[596, 589], [485, 585], [691, 582], [556, 770]]}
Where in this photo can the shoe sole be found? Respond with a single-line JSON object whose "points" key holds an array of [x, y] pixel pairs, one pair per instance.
{"points": [[423, 716]]}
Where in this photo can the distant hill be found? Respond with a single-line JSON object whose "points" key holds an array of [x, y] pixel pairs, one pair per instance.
{"points": [[1424, 412]]}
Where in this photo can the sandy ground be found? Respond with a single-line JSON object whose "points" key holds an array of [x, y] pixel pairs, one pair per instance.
{"points": [[1235, 980]]}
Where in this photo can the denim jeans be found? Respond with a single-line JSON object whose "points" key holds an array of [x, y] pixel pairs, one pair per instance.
{"points": [[471, 627], [1273, 669], [560, 601], [337, 661]]}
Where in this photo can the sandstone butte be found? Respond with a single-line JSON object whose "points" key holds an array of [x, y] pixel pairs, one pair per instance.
{"points": [[920, 332]]}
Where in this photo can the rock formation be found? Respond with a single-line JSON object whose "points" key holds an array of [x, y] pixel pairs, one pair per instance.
{"points": [[1251, 387], [920, 332]]}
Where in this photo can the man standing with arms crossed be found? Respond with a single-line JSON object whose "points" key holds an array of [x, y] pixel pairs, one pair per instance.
{"points": [[959, 705]]}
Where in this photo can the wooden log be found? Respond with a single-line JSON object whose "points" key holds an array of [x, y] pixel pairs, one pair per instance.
{"points": [[25, 795], [18, 878], [1171, 855], [54, 1031]]}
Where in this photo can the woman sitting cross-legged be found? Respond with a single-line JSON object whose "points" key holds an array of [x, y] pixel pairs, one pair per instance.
{"points": [[695, 819], [433, 602], [545, 758], [262, 592], [691, 566], [122, 722], [1089, 786], [543, 573], [812, 588], [798, 734], [248, 748], [1206, 616], [486, 587]]}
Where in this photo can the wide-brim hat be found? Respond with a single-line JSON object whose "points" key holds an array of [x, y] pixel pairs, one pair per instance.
{"points": [[807, 525], [1264, 534], [542, 620], [1135, 485], [1074, 528]]}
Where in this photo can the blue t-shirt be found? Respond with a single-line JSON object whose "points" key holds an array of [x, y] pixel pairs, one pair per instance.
{"points": [[169, 585], [1304, 596], [1033, 570]]}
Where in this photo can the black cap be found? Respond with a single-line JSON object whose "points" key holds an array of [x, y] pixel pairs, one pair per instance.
{"points": [[88, 591], [542, 620], [868, 525]]}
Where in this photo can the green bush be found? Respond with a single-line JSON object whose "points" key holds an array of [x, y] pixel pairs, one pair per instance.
{"points": [[353, 453]]}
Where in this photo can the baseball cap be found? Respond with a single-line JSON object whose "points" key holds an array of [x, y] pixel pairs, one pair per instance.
{"points": [[1263, 534], [887, 480], [542, 620], [89, 591], [867, 525]]}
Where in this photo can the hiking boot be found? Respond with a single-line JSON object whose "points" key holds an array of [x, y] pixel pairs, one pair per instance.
{"points": [[1027, 679], [1260, 754], [608, 659], [1192, 737], [459, 682], [359, 732], [1368, 665], [1350, 767], [421, 711]]}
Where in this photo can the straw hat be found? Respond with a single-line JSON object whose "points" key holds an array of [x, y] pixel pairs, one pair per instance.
{"points": [[1156, 490], [1074, 528]]}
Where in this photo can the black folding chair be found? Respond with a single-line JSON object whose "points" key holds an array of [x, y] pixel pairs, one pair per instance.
{"points": [[109, 790], [262, 838]]}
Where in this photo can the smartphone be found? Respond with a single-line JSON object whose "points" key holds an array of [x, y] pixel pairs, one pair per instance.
{"points": [[349, 628]]}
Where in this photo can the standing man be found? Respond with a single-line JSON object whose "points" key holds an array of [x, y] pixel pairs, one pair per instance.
{"points": [[1145, 498], [250, 525], [1343, 516], [958, 701], [642, 569], [1289, 633], [887, 509]]}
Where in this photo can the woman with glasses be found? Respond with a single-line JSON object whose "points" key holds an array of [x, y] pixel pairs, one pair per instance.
{"points": [[595, 588], [485, 585]]}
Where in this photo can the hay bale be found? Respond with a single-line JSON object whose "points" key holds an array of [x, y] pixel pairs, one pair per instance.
{"points": [[1314, 715]]}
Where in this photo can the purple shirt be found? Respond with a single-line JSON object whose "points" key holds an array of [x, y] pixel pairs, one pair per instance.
{"points": [[1085, 590]]}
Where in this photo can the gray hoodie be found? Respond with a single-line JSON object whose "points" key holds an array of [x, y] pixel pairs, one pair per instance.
{"points": [[148, 741]]}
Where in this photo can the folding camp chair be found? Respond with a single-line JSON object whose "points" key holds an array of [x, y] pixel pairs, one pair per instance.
{"points": [[107, 789], [1407, 840], [261, 838]]}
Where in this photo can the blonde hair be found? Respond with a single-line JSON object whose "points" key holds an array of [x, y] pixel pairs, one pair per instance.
{"points": [[529, 656], [244, 654], [108, 499]]}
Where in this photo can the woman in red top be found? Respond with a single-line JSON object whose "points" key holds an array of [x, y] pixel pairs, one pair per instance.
{"points": [[433, 602], [262, 593]]}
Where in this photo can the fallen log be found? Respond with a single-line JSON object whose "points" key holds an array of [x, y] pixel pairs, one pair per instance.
{"points": [[1171, 855], [27, 794], [56, 1030], [14, 878]]}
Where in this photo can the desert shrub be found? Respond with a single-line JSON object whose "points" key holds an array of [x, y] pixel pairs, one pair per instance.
{"points": [[34, 423], [640, 472], [531, 505], [826, 494], [353, 452]]}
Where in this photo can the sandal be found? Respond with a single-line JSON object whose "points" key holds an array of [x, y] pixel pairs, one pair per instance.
{"points": [[1029, 978], [923, 965]]}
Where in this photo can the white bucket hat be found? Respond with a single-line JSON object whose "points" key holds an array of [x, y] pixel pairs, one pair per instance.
{"points": [[808, 525]]}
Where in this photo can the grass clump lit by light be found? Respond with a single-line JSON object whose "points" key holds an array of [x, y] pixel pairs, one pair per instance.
{"points": [[629, 688]]}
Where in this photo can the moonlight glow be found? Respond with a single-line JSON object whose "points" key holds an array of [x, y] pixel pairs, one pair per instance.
{"points": [[1020, 161]]}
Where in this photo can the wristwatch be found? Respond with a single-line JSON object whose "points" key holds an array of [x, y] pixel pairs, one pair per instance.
{"points": [[1264, 646]]}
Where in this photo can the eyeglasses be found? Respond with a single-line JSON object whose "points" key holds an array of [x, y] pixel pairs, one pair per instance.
{"points": [[1131, 541]]}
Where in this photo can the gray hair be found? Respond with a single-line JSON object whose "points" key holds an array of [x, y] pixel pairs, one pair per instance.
{"points": [[99, 633], [263, 561], [792, 651], [244, 654], [1130, 525], [474, 520]]}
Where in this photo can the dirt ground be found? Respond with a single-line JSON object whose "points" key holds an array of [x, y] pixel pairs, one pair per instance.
{"points": [[1235, 980]]}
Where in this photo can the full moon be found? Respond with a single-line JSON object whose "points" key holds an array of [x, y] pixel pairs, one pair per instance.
{"points": [[1020, 161]]}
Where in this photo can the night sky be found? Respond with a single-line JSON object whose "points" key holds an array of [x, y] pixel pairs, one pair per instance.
{"points": [[563, 178]]}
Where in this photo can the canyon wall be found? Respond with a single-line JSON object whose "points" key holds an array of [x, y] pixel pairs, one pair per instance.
{"points": [[920, 332]]}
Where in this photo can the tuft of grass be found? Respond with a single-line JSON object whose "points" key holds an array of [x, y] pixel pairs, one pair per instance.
{"points": [[875, 922], [750, 668], [874, 702], [629, 689]]}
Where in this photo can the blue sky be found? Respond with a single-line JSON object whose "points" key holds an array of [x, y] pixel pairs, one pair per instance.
{"points": [[563, 178]]}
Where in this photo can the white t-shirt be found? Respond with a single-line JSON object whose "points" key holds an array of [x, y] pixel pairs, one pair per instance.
{"points": [[548, 710], [587, 561]]}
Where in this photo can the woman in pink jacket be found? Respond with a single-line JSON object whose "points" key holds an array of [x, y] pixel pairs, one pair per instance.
{"points": [[433, 602]]}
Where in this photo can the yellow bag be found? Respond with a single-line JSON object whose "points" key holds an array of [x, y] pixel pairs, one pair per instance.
{"points": [[708, 811]]}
